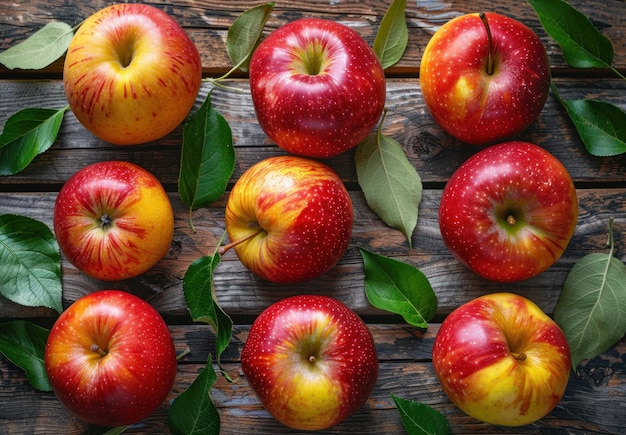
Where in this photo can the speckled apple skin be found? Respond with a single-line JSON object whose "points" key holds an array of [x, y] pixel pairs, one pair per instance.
{"points": [[476, 359], [304, 211], [513, 178], [317, 115], [138, 102], [298, 392], [134, 377], [466, 101], [140, 215]]}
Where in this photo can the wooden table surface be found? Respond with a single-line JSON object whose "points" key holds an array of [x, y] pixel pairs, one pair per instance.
{"points": [[595, 400]]}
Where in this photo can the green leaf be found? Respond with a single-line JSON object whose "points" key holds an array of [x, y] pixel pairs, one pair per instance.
{"points": [[202, 301], [399, 288], [582, 44], [245, 34], [31, 264], [208, 157], [591, 309], [27, 134], [600, 125], [117, 430], [421, 419], [392, 187], [23, 344], [40, 49], [193, 412], [393, 35]]}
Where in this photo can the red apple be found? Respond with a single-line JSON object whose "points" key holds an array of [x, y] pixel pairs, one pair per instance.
{"points": [[502, 360], [131, 74], [509, 211], [484, 80], [317, 87], [110, 358], [113, 220], [311, 361], [289, 218]]}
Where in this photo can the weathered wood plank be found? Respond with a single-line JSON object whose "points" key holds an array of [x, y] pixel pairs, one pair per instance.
{"points": [[207, 22], [405, 370], [431, 151], [243, 295], [594, 401]]}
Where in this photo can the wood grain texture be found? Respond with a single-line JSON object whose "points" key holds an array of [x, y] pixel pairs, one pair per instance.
{"points": [[433, 153], [242, 294], [405, 371], [207, 22], [595, 400]]}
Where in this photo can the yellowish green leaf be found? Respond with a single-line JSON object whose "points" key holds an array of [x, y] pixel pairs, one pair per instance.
{"points": [[245, 34], [393, 35], [391, 185], [591, 309], [40, 49]]}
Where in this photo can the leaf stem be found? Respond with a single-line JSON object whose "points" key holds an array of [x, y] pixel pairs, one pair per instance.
{"points": [[75, 28], [217, 83], [379, 132], [619, 74], [183, 353], [217, 80], [219, 244], [610, 241], [193, 228]]}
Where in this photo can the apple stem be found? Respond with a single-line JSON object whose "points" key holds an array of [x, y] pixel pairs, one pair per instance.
{"points": [[225, 248], [311, 358], [98, 349], [483, 18], [519, 356], [511, 220], [126, 54]]}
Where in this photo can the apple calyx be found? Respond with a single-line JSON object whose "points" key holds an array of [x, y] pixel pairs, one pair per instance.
{"points": [[105, 220], [230, 245], [98, 349], [483, 18]]}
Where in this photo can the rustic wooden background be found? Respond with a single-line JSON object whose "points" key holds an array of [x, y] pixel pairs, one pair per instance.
{"points": [[596, 397]]}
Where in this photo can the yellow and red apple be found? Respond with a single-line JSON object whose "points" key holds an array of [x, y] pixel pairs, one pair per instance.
{"points": [[484, 77], [311, 361], [502, 360], [110, 358], [289, 218], [131, 74], [113, 220]]}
